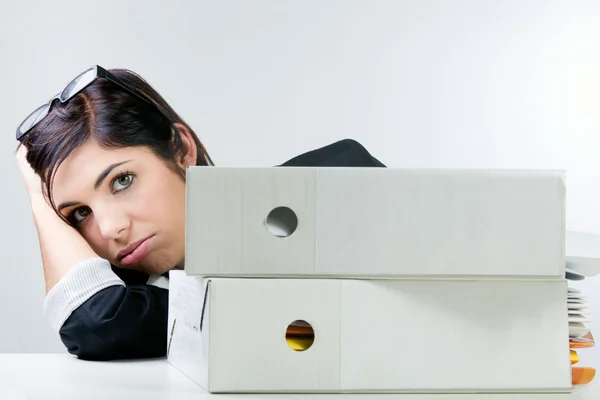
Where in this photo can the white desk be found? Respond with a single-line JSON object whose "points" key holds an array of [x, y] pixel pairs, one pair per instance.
{"points": [[60, 376]]}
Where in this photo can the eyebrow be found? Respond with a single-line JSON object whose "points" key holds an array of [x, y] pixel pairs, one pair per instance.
{"points": [[67, 204], [106, 172], [99, 181]]}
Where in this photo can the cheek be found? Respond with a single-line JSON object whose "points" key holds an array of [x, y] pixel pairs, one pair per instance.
{"points": [[152, 200], [166, 201]]}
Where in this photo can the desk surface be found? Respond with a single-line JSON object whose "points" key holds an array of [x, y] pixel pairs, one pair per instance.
{"points": [[61, 376]]}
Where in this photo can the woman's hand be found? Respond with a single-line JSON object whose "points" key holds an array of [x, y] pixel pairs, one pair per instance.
{"points": [[32, 180]]}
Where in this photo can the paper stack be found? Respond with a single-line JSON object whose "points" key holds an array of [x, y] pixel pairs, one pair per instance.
{"points": [[372, 280], [583, 262]]}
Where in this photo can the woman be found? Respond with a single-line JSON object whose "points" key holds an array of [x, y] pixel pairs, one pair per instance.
{"points": [[104, 163]]}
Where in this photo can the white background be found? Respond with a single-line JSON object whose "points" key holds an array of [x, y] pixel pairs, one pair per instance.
{"points": [[421, 83]]}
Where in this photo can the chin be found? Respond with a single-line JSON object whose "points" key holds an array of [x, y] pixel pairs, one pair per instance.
{"points": [[159, 271], [155, 265], [156, 268]]}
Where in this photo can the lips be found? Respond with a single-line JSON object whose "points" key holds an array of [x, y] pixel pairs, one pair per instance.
{"points": [[135, 252]]}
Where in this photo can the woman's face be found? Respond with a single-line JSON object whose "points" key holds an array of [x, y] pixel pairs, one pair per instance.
{"points": [[127, 204]]}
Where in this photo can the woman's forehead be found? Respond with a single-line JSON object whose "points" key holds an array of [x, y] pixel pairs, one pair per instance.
{"points": [[81, 169]]}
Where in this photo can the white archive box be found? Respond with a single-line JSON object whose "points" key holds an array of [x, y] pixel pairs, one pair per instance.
{"points": [[236, 335], [361, 222]]}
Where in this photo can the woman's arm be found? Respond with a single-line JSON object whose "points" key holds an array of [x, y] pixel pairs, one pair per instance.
{"points": [[97, 315], [119, 322], [61, 245]]}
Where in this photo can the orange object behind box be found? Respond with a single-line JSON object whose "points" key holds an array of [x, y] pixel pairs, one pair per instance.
{"points": [[581, 375]]}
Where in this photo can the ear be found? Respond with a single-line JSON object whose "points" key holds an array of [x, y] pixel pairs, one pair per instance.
{"points": [[189, 151]]}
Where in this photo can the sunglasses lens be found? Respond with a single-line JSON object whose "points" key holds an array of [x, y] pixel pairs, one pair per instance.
{"points": [[33, 118], [77, 84]]}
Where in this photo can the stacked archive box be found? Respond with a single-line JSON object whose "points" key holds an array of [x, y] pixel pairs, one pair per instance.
{"points": [[316, 280]]}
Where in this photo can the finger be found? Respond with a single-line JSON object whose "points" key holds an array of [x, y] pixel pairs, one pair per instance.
{"points": [[21, 153]]}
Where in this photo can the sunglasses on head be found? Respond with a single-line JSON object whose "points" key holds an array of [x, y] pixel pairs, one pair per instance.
{"points": [[80, 82]]}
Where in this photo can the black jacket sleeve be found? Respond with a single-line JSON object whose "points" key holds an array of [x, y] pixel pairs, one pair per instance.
{"points": [[119, 322]]}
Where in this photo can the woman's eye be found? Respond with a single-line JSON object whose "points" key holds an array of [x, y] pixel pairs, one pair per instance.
{"points": [[122, 182], [80, 214]]}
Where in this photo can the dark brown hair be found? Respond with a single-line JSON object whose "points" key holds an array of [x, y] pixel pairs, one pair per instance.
{"points": [[110, 117]]}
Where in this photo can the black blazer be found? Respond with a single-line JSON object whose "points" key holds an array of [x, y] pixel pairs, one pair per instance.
{"points": [[131, 321]]}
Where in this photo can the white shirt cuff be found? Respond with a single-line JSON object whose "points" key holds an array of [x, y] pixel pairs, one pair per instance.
{"points": [[80, 283]]}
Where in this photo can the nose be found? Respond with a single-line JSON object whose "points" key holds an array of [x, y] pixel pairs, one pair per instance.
{"points": [[112, 223]]}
